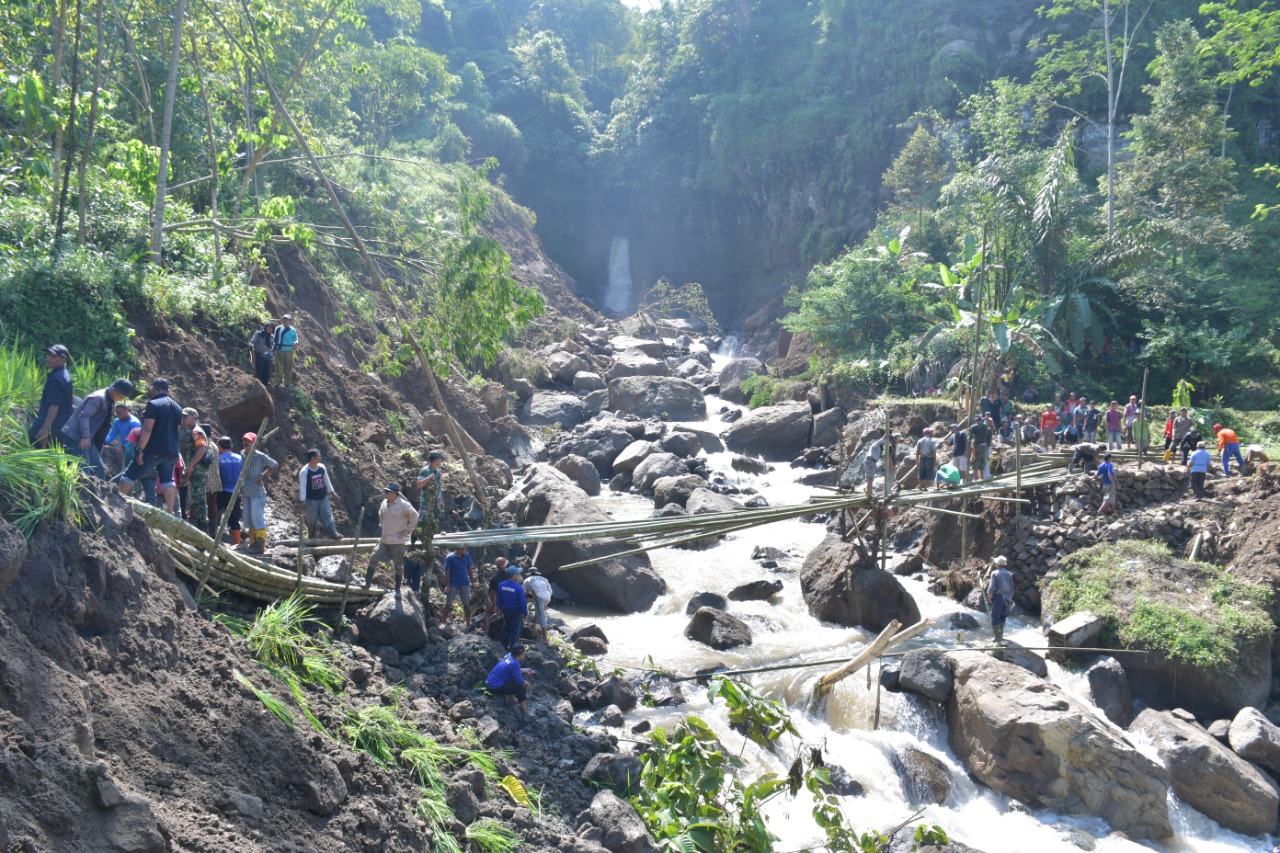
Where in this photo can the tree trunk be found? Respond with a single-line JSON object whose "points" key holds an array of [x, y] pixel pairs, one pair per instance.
{"points": [[64, 185], [143, 86], [213, 161], [166, 133], [59, 46], [81, 198]]}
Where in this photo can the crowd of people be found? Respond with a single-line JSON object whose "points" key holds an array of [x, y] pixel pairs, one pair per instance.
{"points": [[183, 469]]}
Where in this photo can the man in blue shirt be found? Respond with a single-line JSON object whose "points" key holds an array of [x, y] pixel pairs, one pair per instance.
{"points": [[513, 605], [286, 341], [55, 400], [230, 464], [1107, 474], [457, 573], [1198, 467], [124, 424], [507, 678]]}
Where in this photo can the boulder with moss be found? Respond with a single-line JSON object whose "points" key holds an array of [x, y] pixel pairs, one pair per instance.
{"points": [[1205, 635]]}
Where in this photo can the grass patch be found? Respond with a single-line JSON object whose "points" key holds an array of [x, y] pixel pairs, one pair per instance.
{"points": [[1192, 612], [762, 390]]}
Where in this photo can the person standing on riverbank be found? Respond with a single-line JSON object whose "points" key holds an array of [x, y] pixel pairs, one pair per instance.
{"points": [[513, 604], [457, 579], [315, 490], [926, 460], [1198, 468], [1000, 596], [256, 468]]}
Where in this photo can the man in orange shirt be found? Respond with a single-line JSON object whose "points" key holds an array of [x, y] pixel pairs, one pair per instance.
{"points": [[1228, 446], [1048, 426]]}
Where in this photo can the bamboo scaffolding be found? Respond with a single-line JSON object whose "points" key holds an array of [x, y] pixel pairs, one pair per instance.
{"points": [[888, 638]]}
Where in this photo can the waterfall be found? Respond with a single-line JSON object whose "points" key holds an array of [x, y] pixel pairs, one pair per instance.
{"points": [[617, 296]]}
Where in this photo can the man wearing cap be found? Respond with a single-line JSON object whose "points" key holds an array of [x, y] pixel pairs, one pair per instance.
{"points": [[55, 399], [1198, 468], [85, 432], [157, 451], [431, 506], [538, 590], [1228, 448], [256, 467], [513, 604], [398, 519], [507, 678], [1000, 596], [1107, 474], [457, 585], [926, 459], [286, 344], [262, 351], [197, 458], [314, 490], [881, 450]]}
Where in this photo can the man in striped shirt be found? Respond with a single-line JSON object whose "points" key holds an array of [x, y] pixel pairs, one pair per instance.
{"points": [[255, 493]]}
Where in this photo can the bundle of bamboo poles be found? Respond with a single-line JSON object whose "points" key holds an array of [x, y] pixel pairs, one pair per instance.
{"points": [[234, 572]]}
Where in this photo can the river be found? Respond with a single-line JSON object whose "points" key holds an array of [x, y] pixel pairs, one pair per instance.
{"points": [[784, 630]]}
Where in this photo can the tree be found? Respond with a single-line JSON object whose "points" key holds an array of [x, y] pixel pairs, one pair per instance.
{"points": [[1176, 185], [166, 131], [917, 172], [1102, 53]]}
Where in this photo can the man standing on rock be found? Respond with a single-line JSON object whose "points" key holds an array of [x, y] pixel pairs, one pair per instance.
{"points": [[430, 505], [457, 579], [86, 431], [55, 400], [262, 351], [1107, 474], [491, 593], [513, 604], [398, 519], [256, 468], [1000, 596], [157, 450], [1198, 468], [285, 339], [197, 456], [538, 590], [1228, 448], [314, 490], [926, 459], [981, 433], [881, 450]]}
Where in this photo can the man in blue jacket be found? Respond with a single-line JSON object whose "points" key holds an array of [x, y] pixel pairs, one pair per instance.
{"points": [[507, 678], [513, 605]]}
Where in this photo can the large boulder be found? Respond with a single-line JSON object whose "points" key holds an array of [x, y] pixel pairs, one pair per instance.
{"points": [[396, 621], [676, 490], [552, 408], [251, 402], [704, 501], [1254, 738], [838, 588], [621, 829], [633, 454], [1209, 777], [545, 496], [760, 590], [633, 362], [586, 381], [1109, 689], [622, 343], [615, 771], [601, 441], [733, 374], [826, 427], [564, 366], [927, 673], [706, 599], [683, 444], [773, 432], [926, 778], [657, 397], [581, 471], [654, 468], [717, 629], [1029, 740]]}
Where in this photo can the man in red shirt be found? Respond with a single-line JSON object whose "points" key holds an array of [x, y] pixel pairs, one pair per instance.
{"points": [[1048, 425]]}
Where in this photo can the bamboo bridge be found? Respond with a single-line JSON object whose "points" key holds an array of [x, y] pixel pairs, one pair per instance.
{"points": [[210, 562]]}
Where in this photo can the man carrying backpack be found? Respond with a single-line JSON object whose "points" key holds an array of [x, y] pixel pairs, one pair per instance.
{"points": [[286, 344]]}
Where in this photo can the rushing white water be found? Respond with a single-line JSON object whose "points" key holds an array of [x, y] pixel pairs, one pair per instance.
{"points": [[617, 296], [784, 630]]}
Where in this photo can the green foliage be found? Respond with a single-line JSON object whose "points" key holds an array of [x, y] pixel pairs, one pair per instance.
{"points": [[489, 836], [1206, 621]]}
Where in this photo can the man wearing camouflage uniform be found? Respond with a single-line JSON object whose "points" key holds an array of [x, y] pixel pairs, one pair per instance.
{"points": [[197, 456]]}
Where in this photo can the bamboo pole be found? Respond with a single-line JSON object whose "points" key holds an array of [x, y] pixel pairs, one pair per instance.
{"points": [[351, 567], [302, 531], [831, 679], [1017, 464]]}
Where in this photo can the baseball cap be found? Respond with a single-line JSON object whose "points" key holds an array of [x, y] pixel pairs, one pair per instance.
{"points": [[249, 436], [190, 412], [160, 383], [513, 570], [517, 648], [955, 426], [288, 318], [59, 349], [501, 561], [1001, 561], [125, 387], [434, 455], [392, 487], [1217, 427]]}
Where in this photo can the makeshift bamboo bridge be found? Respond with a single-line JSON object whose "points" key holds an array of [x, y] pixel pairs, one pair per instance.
{"points": [[197, 556]]}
